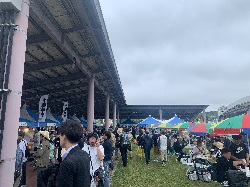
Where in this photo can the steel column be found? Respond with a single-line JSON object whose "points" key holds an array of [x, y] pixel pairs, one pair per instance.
{"points": [[91, 104], [107, 113], [114, 115]]}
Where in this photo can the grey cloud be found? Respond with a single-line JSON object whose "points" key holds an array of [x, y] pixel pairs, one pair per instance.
{"points": [[180, 52]]}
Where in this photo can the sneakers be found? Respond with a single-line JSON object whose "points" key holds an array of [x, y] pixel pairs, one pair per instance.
{"points": [[156, 160], [163, 163], [225, 183]]}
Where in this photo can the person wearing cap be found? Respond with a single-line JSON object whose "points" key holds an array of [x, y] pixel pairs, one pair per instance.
{"points": [[42, 154], [23, 146], [239, 150], [226, 142], [224, 163]]}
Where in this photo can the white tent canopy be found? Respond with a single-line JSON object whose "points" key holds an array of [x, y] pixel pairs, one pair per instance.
{"points": [[24, 114]]}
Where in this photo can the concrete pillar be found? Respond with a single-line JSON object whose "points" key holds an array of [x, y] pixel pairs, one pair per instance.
{"points": [[107, 113], [160, 114], [91, 103], [114, 115], [12, 114], [204, 116], [118, 116]]}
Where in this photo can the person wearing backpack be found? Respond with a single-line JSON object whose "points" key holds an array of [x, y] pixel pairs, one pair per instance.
{"points": [[23, 146], [124, 141], [147, 144]]}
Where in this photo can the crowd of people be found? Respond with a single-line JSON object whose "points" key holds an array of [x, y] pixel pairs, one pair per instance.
{"points": [[72, 156], [59, 156]]}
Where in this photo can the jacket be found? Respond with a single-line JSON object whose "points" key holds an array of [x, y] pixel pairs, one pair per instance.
{"points": [[74, 170], [147, 142], [42, 154]]}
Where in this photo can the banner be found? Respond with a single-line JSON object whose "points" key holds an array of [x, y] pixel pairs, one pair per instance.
{"points": [[42, 108], [22, 124], [65, 111], [51, 124]]}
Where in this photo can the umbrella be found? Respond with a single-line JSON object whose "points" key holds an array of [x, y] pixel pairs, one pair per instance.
{"points": [[246, 124], [231, 125], [183, 126], [198, 129], [165, 126], [149, 121]]}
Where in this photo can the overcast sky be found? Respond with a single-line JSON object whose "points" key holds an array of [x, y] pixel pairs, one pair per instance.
{"points": [[181, 51]]}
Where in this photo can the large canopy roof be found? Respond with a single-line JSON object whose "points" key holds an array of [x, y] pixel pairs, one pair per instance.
{"points": [[168, 111], [67, 44]]}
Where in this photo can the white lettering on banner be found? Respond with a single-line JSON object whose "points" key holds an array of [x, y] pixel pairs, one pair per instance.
{"points": [[43, 108], [51, 124], [22, 124], [65, 111]]}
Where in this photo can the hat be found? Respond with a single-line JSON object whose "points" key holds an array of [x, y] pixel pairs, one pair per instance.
{"points": [[236, 137], [21, 133], [219, 145], [45, 134]]}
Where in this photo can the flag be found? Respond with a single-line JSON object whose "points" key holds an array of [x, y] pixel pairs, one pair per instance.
{"points": [[65, 111], [43, 108]]}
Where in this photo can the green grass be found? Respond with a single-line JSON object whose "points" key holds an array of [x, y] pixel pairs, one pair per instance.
{"points": [[137, 174]]}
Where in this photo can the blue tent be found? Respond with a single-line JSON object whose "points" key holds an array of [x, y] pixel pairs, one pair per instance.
{"points": [[149, 121], [57, 117], [25, 122], [36, 117], [128, 122], [175, 120]]}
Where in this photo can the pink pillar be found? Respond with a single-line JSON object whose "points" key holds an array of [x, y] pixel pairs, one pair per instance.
{"points": [[114, 115], [9, 143], [91, 102], [107, 113]]}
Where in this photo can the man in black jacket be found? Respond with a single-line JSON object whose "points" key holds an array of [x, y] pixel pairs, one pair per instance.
{"points": [[74, 170], [147, 144], [156, 148]]}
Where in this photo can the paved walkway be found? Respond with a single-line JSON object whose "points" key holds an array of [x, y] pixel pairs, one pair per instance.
{"points": [[31, 176]]}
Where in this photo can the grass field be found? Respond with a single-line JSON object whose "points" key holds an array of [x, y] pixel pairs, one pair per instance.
{"points": [[138, 174]]}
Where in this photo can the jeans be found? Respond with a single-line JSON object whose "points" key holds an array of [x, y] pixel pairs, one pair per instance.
{"points": [[124, 150], [147, 155], [23, 178], [106, 174]]}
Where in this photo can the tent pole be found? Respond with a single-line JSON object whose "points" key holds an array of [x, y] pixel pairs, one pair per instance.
{"points": [[248, 144]]}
